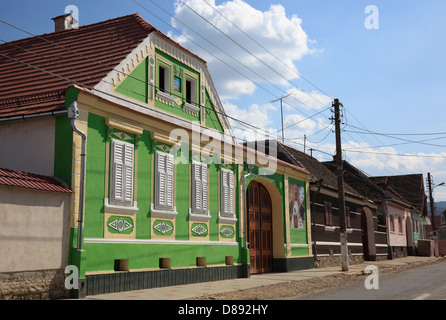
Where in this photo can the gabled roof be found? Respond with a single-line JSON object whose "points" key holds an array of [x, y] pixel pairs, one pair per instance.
{"points": [[316, 168], [366, 186], [85, 55], [410, 187], [21, 179], [360, 182]]}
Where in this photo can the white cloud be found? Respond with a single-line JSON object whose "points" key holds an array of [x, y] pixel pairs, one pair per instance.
{"points": [[256, 117], [281, 35], [307, 100]]}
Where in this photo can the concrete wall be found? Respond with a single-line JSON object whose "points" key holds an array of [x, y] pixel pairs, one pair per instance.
{"points": [[30, 145], [34, 230]]}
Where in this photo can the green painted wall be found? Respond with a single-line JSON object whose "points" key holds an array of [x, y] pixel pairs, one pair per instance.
{"points": [[212, 120], [136, 84], [297, 235], [101, 256], [95, 177]]}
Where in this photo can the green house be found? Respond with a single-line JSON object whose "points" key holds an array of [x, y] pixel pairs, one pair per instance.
{"points": [[163, 194]]}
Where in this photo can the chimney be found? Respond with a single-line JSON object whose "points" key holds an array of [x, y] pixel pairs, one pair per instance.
{"points": [[64, 22]]}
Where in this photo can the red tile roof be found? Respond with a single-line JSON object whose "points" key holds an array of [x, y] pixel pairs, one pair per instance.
{"points": [[95, 50], [16, 178]]}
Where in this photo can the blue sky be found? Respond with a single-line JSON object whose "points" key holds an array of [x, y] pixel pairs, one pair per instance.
{"points": [[390, 80]]}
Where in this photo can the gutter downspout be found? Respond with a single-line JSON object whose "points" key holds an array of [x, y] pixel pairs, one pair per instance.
{"points": [[73, 114], [245, 209]]}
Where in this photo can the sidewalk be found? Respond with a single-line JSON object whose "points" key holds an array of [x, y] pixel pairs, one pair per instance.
{"points": [[190, 291]]}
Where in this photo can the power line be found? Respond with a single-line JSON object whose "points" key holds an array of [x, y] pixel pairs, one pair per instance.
{"points": [[244, 49], [260, 45]]}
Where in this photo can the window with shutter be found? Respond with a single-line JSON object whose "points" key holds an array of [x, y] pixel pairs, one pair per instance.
{"points": [[199, 188], [347, 217], [164, 183], [227, 193], [122, 173], [328, 214]]}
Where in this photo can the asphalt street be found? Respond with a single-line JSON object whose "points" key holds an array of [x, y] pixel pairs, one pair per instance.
{"points": [[424, 283]]}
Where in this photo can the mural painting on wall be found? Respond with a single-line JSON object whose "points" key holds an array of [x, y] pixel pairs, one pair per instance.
{"points": [[297, 205]]}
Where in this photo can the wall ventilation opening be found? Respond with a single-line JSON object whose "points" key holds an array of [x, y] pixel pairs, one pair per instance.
{"points": [[229, 260], [201, 261], [121, 265], [164, 263]]}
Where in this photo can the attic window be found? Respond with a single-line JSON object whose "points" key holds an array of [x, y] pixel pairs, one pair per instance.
{"points": [[163, 78], [190, 91]]}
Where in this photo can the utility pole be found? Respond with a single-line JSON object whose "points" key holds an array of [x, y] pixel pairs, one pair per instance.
{"points": [[341, 191], [281, 113], [431, 202]]}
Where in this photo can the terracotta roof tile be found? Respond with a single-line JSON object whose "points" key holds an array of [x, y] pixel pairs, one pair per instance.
{"points": [[14, 178], [95, 50]]}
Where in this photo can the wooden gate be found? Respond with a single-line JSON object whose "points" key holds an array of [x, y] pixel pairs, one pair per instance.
{"points": [[259, 228]]}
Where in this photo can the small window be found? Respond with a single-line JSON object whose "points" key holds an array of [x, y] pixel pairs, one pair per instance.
{"points": [[190, 91], [328, 215], [177, 83], [163, 78], [392, 223], [347, 218], [400, 225], [121, 265]]}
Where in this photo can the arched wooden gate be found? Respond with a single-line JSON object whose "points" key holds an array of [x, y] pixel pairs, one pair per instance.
{"points": [[259, 228]]}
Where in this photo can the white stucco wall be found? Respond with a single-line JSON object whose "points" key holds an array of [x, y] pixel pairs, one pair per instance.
{"points": [[34, 229], [28, 145]]}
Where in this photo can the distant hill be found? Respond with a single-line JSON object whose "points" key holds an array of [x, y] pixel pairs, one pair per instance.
{"points": [[440, 206]]}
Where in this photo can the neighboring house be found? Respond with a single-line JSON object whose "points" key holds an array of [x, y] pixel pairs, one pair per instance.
{"points": [[409, 188], [393, 235], [442, 226], [161, 200], [34, 211], [360, 213]]}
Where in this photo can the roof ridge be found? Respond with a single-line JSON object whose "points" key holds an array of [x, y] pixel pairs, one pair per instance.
{"points": [[147, 26]]}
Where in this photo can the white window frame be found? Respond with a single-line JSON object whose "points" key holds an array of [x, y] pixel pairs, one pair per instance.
{"points": [[227, 197], [164, 202], [192, 105], [121, 192], [199, 196]]}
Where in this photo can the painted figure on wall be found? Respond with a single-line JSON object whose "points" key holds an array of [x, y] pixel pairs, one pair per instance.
{"points": [[297, 206]]}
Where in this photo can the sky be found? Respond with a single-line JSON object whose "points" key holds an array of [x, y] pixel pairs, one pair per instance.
{"points": [[384, 61]]}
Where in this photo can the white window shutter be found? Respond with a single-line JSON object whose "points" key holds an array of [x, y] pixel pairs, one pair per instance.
{"points": [[117, 171], [199, 188], [128, 166], [227, 193], [160, 189], [196, 188], [169, 181], [204, 189], [231, 193], [164, 187], [122, 172]]}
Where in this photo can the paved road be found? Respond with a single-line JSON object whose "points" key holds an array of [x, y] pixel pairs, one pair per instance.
{"points": [[424, 283]]}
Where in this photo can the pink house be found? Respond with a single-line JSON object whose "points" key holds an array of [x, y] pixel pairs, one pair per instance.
{"points": [[399, 236]]}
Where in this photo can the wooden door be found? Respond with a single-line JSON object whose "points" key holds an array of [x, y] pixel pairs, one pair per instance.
{"points": [[259, 228]]}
